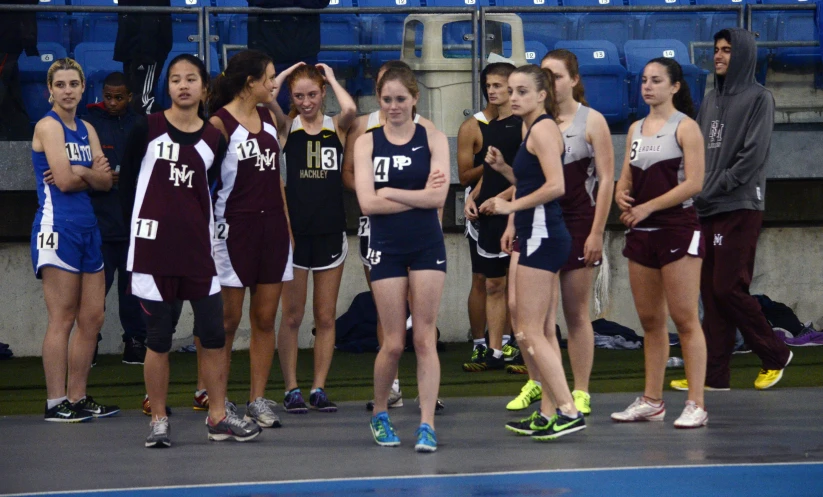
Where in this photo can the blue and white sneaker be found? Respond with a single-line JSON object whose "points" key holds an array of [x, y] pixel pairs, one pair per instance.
{"points": [[426, 439], [383, 431]]}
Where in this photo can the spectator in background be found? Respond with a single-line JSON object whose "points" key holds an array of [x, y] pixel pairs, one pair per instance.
{"points": [[288, 39], [18, 32], [143, 44], [113, 119]]}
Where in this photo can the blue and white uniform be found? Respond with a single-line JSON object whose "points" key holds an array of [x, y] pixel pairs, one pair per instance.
{"points": [[65, 233], [410, 240], [544, 240]]}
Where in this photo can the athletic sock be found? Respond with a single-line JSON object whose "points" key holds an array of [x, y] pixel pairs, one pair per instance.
{"points": [[507, 339], [497, 353], [547, 418], [396, 385], [409, 322], [55, 402], [538, 384], [198, 393], [479, 341]]}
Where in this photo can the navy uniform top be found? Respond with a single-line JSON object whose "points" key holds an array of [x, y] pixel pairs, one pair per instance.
{"points": [[479, 159], [71, 210], [405, 167], [538, 221], [314, 185]]}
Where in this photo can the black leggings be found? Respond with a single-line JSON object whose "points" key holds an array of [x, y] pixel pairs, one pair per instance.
{"points": [[161, 319]]}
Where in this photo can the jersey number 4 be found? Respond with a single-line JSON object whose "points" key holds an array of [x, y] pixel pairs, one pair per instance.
{"points": [[381, 169], [47, 241]]}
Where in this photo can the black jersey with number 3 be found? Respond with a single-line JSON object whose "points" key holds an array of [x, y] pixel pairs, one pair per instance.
{"points": [[314, 185], [405, 167]]}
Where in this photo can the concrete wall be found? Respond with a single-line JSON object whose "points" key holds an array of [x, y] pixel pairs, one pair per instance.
{"points": [[788, 269]]}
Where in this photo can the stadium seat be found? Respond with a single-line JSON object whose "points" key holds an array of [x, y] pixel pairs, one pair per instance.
{"points": [[684, 26], [604, 79], [97, 61], [616, 27], [232, 27], [384, 29], [639, 52], [455, 33], [185, 25], [340, 29], [33, 72], [716, 21], [534, 51], [797, 25], [177, 49], [91, 26], [53, 26], [545, 28]]}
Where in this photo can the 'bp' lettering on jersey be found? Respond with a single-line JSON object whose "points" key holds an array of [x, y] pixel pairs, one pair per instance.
{"points": [[181, 175]]}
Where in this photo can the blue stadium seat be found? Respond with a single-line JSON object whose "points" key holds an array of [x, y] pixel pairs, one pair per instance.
{"points": [[544, 28], [340, 29], [534, 51], [33, 71], [716, 21], [185, 25], [160, 94], [384, 29], [53, 26], [97, 61], [684, 26], [455, 32], [796, 26], [89, 26], [231, 28], [639, 52], [604, 79], [615, 27]]}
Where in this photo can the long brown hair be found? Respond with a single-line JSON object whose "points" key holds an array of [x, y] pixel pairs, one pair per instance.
{"points": [[544, 80], [569, 59], [232, 81], [404, 76]]}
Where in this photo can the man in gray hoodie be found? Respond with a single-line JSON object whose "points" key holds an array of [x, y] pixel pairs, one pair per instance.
{"points": [[736, 119]]}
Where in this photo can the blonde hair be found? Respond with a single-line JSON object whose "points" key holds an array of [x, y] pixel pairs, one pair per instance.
{"points": [[66, 64]]}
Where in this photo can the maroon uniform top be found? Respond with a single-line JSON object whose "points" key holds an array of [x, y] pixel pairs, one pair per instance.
{"points": [[657, 167], [166, 197], [578, 172], [249, 182]]}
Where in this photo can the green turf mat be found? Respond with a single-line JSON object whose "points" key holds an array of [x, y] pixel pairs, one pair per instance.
{"points": [[22, 386]]}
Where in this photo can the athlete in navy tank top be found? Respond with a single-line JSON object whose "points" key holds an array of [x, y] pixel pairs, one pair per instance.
{"points": [[66, 247]]}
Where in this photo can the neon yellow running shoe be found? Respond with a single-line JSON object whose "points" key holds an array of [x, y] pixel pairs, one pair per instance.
{"points": [[510, 352], [531, 392], [582, 401]]}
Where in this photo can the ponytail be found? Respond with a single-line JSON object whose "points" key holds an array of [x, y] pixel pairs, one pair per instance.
{"points": [[544, 81], [569, 59], [682, 100], [231, 82]]}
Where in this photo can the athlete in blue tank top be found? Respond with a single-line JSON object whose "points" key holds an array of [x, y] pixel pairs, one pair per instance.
{"points": [[66, 247], [401, 177], [544, 244]]}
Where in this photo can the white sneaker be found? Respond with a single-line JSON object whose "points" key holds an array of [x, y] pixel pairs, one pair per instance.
{"points": [[641, 410], [692, 417], [261, 413]]}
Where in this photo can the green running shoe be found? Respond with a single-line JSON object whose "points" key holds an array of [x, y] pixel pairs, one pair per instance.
{"points": [[530, 393], [561, 425], [510, 352], [528, 426], [582, 401], [478, 360]]}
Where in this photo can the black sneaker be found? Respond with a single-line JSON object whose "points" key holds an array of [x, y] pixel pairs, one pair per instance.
{"points": [[439, 407], [320, 401], [293, 402], [89, 406], [65, 413], [134, 351], [528, 426], [478, 360], [562, 425], [94, 359], [494, 362]]}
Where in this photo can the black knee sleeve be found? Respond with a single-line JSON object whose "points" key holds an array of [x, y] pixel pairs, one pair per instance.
{"points": [[208, 321], [158, 317]]}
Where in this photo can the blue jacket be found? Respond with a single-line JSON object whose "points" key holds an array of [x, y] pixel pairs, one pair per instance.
{"points": [[113, 133]]}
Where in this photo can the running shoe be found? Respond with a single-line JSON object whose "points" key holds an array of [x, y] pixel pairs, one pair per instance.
{"points": [[383, 431], [487, 363], [232, 427], [529, 394], [159, 436], [478, 360], [641, 410], [64, 412], [261, 413], [683, 386], [231, 408], [563, 425], [510, 351], [439, 406], [582, 401], [89, 406], [426, 439], [320, 402], [147, 407], [293, 402], [769, 377], [395, 400], [201, 402], [517, 369], [692, 417], [528, 426]]}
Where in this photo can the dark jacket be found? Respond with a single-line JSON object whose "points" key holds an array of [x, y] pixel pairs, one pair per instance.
{"points": [[286, 38], [736, 119], [113, 133], [18, 30], [143, 37]]}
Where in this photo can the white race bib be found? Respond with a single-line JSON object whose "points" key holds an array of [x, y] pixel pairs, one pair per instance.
{"points": [[145, 228], [47, 240], [221, 231]]}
